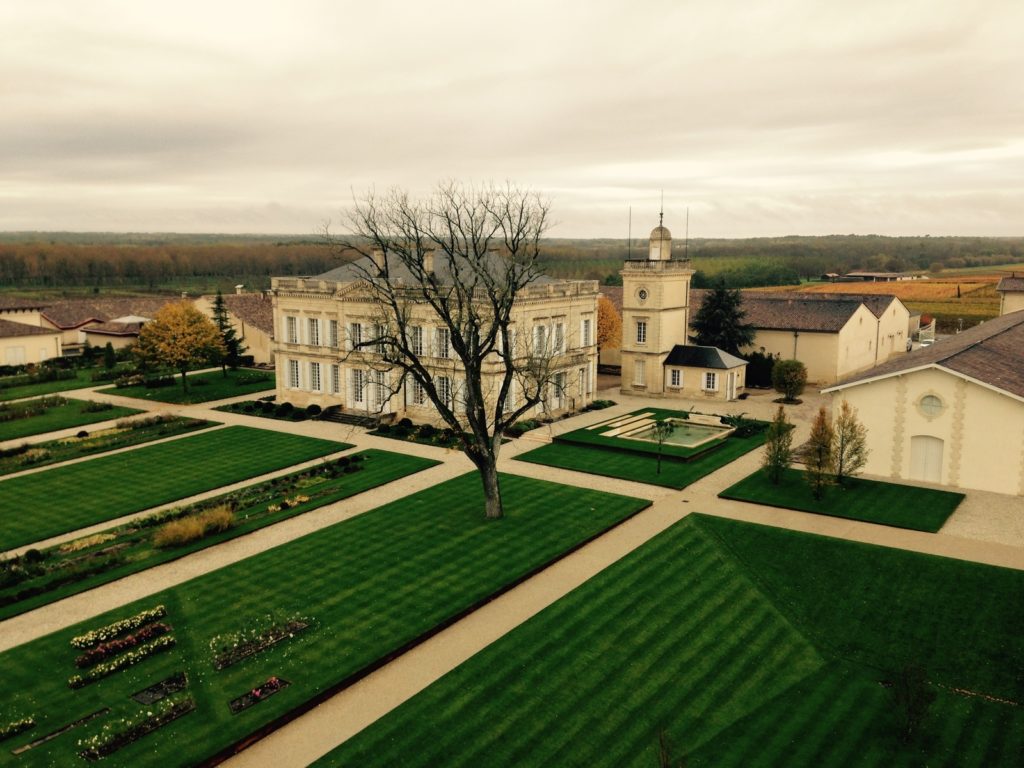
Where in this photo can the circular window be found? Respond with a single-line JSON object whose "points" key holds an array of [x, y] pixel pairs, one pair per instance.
{"points": [[931, 405], [642, 294]]}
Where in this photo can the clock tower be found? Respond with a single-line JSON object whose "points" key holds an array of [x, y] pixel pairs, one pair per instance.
{"points": [[655, 313]]}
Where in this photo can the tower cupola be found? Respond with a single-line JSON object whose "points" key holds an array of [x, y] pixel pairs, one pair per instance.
{"points": [[661, 244]]}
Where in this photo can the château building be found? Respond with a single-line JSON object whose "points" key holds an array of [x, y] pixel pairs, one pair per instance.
{"points": [[322, 325]]}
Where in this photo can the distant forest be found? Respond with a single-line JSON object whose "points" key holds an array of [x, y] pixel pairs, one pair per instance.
{"points": [[95, 262]]}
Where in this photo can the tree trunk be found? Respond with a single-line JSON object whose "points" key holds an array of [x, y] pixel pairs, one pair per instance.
{"points": [[184, 381], [492, 491]]}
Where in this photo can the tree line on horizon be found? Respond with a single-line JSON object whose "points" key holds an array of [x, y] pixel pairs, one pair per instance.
{"points": [[154, 261]]}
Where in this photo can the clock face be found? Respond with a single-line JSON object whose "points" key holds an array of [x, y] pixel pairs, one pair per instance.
{"points": [[642, 294]]}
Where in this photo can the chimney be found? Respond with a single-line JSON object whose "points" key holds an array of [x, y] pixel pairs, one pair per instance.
{"points": [[378, 259], [238, 289], [428, 261]]}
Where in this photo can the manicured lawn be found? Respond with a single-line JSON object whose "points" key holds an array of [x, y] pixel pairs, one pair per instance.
{"points": [[129, 548], [132, 433], [368, 586], [747, 646], [82, 378], [64, 499], [642, 468], [70, 413], [203, 387], [901, 506]]}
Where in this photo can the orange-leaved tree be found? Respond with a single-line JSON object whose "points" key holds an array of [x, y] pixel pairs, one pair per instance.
{"points": [[609, 324], [180, 337]]}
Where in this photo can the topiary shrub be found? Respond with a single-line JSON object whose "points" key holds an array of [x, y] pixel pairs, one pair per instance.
{"points": [[426, 431], [284, 409], [406, 422], [81, 433], [313, 409]]}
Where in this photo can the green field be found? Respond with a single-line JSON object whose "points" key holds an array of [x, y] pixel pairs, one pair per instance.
{"points": [[203, 387], [368, 586], [901, 506], [71, 413], [746, 646], [642, 467], [129, 548], [64, 499]]}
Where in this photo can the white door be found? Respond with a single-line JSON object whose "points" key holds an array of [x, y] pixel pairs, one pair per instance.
{"points": [[730, 387], [926, 458]]}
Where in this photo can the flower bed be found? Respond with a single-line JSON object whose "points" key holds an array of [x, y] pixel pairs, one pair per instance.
{"points": [[109, 632], [120, 733], [15, 727], [176, 682], [129, 659], [257, 694], [104, 651], [60, 731], [233, 647]]}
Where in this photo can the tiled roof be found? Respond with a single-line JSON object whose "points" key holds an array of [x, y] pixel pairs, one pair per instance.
{"points": [[877, 303], [12, 302], [115, 329], [72, 313], [10, 329], [254, 309], [791, 311], [1011, 284], [989, 352], [702, 357]]}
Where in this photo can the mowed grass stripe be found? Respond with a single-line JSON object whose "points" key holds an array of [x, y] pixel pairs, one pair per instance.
{"points": [[67, 498], [628, 668], [70, 414], [362, 608]]}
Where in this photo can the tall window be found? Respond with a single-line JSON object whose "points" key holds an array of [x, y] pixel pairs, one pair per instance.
{"points": [[539, 332], [640, 372], [314, 332], [416, 339], [641, 331], [382, 333], [675, 378], [358, 385], [444, 390], [355, 334], [559, 338], [379, 388], [585, 335], [335, 379], [314, 377], [419, 394], [332, 333], [293, 374], [444, 342], [291, 330], [711, 381]]}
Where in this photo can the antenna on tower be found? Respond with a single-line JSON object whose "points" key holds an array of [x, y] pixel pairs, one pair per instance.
{"points": [[686, 241], [661, 212], [629, 236]]}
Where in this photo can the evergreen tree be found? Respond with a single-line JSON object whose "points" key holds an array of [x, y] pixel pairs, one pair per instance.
{"points": [[778, 447], [233, 347], [851, 450], [719, 321], [109, 357], [789, 377], [818, 454]]}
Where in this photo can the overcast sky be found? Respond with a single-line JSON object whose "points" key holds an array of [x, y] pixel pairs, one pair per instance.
{"points": [[764, 118]]}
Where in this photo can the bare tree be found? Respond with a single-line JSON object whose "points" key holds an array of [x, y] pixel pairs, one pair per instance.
{"points": [[463, 256], [663, 430], [778, 447], [851, 450]]}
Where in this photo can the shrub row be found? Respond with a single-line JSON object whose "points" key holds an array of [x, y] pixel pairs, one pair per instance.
{"points": [[104, 651], [29, 408], [15, 727], [124, 661], [185, 530], [122, 732], [110, 631]]}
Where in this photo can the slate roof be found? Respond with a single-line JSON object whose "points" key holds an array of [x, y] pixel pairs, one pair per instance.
{"points": [[696, 356], [360, 268], [876, 303], [10, 329], [255, 309], [990, 352], [73, 313], [1011, 284], [792, 311]]}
